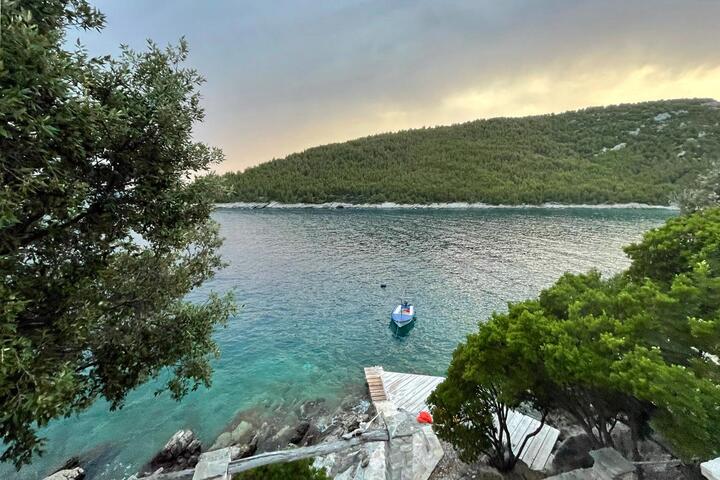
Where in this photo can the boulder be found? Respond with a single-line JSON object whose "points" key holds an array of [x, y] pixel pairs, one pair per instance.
{"points": [[76, 473], [622, 440], [567, 425], [661, 467], [265, 438], [179, 453], [177, 444], [311, 437], [281, 439], [300, 430], [573, 453], [223, 440], [242, 433], [342, 421], [243, 451]]}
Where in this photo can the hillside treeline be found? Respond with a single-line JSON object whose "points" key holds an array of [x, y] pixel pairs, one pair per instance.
{"points": [[626, 153]]}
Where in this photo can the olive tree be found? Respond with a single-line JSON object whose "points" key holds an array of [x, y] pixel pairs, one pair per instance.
{"points": [[102, 232]]}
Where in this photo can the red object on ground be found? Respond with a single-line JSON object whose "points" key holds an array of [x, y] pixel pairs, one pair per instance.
{"points": [[424, 417]]}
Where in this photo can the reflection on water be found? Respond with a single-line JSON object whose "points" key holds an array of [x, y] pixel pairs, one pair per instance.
{"points": [[315, 314]]}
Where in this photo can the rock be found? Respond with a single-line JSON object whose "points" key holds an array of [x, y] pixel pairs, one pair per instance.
{"points": [[523, 472], [661, 117], [93, 461], [413, 453], [176, 454], [622, 439], [243, 451], [265, 438], [194, 447], [351, 424], [346, 462], [661, 467], [213, 465], [451, 467], [223, 440], [177, 444], [76, 473], [609, 463], [283, 436], [364, 459], [567, 426], [242, 433], [300, 430], [343, 421], [573, 453], [312, 408], [312, 436]]}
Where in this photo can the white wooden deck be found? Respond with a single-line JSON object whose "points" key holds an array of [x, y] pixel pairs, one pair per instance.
{"points": [[410, 392]]}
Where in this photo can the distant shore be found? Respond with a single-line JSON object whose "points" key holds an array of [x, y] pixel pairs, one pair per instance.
{"points": [[432, 206]]}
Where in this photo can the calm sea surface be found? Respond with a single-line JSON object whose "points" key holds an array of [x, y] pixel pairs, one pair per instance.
{"points": [[314, 313]]}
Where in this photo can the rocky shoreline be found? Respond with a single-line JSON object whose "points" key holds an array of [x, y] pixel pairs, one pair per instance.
{"points": [[433, 206], [313, 422], [317, 421]]}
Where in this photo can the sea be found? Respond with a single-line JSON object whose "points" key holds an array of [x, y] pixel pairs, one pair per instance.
{"points": [[315, 289]]}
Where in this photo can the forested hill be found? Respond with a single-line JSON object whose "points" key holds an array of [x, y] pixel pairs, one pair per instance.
{"points": [[626, 153]]}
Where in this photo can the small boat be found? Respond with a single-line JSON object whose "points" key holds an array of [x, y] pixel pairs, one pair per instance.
{"points": [[403, 314]]}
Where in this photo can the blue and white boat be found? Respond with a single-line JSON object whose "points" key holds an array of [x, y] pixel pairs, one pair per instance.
{"points": [[403, 314]]}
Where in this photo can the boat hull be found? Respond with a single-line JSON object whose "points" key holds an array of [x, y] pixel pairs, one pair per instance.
{"points": [[402, 315]]}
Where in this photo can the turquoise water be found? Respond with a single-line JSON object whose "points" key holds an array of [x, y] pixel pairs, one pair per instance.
{"points": [[314, 313]]}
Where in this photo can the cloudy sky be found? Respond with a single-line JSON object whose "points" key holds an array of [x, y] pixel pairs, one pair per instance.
{"points": [[286, 75]]}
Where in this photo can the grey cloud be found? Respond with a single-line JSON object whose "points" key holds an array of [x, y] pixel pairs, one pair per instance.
{"points": [[276, 68]]}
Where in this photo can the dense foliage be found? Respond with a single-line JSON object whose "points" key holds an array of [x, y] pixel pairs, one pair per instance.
{"points": [[627, 153], [703, 193], [102, 234], [639, 348], [299, 470]]}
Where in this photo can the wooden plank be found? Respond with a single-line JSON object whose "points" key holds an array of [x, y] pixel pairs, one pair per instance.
{"points": [[521, 426], [409, 391], [541, 459], [512, 422], [373, 377], [533, 446], [519, 437]]}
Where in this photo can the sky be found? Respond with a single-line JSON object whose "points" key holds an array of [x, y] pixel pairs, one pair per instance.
{"points": [[283, 76]]}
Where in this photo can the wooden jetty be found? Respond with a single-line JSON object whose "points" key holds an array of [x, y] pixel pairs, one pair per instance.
{"points": [[409, 392]]}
